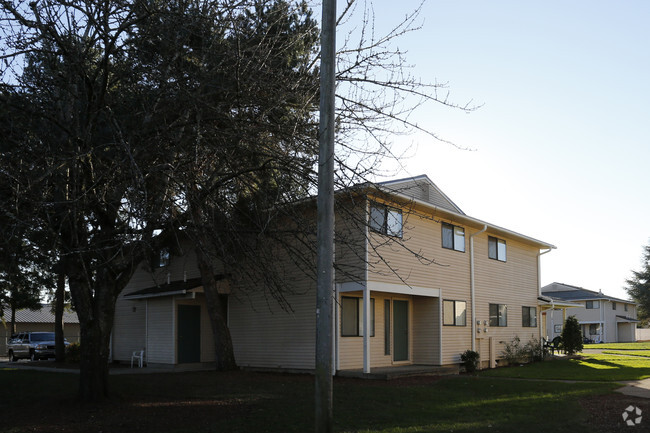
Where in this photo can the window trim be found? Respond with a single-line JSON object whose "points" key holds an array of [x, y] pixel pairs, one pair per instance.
{"points": [[455, 313], [385, 228], [359, 316], [595, 305], [613, 305], [453, 246], [500, 315], [530, 321], [496, 256]]}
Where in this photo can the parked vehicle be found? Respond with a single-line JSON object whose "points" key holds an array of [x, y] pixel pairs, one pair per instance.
{"points": [[32, 345]]}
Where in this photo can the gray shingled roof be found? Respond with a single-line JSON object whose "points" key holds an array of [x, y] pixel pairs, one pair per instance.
{"points": [[582, 295], [44, 315]]}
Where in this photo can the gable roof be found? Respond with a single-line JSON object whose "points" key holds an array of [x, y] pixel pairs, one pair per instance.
{"points": [[44, 315], [422, 188], [413, 189], [568, 292]]}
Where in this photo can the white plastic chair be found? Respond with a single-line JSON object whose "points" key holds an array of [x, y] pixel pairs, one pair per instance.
{"points": [[139, 356]]}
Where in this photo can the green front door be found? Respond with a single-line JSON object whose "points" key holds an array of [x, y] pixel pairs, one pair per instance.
{"points": [[189, 333], [400, 330]]}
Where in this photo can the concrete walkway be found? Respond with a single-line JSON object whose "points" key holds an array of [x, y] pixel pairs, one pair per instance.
{"points": [[636, 388]]}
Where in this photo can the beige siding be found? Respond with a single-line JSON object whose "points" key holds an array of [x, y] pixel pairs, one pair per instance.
{"points": [[265, 335], [426, 326], [350, 243], [128, 328], [513, 283], [161, 331]]}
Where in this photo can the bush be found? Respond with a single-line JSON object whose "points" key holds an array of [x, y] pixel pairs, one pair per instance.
{"points": [[572, 336], [514, 352], [73, 353], [470, 360], [534, 350]]}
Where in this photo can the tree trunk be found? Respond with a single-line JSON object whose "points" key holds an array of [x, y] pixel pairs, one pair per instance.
{"points": [[12, 325], [95, 309], [222, 340], [59, 304]]}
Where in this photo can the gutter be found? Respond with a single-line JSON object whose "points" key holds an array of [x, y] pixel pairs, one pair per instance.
{"points": [[472, 284]]}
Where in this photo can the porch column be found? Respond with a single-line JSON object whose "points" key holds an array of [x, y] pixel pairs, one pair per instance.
{"points": [[366, 328]]}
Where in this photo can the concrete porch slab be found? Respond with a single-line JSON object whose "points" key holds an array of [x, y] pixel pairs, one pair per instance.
{"points": [[399, 371]]}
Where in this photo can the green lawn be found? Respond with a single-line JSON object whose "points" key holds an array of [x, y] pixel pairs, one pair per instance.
{"points": [[254, 402], [645, 345], [645, 353], [596, 367]]}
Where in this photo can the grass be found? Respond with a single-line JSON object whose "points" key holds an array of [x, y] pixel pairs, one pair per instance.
{"points": [[596, 367], [645, 345], [644, 353], [244, 402]]}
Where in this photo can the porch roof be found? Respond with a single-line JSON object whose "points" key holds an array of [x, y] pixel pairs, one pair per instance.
{"points": [[548, 303], [402, 289], [173, 288], [625, 319]]}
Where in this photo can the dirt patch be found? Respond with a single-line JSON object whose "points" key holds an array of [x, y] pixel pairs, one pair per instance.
{"points": [[606, 413]]}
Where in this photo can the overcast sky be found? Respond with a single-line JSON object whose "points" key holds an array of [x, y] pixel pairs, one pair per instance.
{"points": [[561, 142]]}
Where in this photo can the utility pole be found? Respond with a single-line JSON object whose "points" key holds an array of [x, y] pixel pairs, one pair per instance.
{"points": [[325, 228]]}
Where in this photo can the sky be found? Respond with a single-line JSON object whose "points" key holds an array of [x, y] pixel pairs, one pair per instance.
{"points": [[560, 146]]}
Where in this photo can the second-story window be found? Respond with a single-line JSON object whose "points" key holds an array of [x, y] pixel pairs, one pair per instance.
{"points": [[592, 305], [498, 315], [385, 219], [496, 249], [161, 258], [453, 237], [529, 317], [613, 305]]}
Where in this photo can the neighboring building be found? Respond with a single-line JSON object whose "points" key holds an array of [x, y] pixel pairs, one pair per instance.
{"points": [[480, 291], [37, 320], [602, 318]]}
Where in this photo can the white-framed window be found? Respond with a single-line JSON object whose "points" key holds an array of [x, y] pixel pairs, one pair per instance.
{"points": [[161, 258], [613, 305], [352, 317], [529, 317], [498, 315], [592, 305], [454, 313], [496, 249], [453, 237], [385, 219], [594, 329]]}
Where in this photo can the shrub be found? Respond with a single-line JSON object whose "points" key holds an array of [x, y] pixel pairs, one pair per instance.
{"points": [[470, 360], [73, 353], [514, 352], [534, 350], [572, 336]]}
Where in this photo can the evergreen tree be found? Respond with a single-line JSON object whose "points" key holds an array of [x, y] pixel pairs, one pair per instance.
{"points": [[572, 336], [638, 287]]}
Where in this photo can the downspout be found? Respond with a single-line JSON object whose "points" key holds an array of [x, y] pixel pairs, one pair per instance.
{"points": [[539, 270], [539, 293], [366, 305], [472, 284], [146, 331]]}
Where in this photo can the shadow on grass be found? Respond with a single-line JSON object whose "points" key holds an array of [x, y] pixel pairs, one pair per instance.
{"points": [[245, 402]]}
